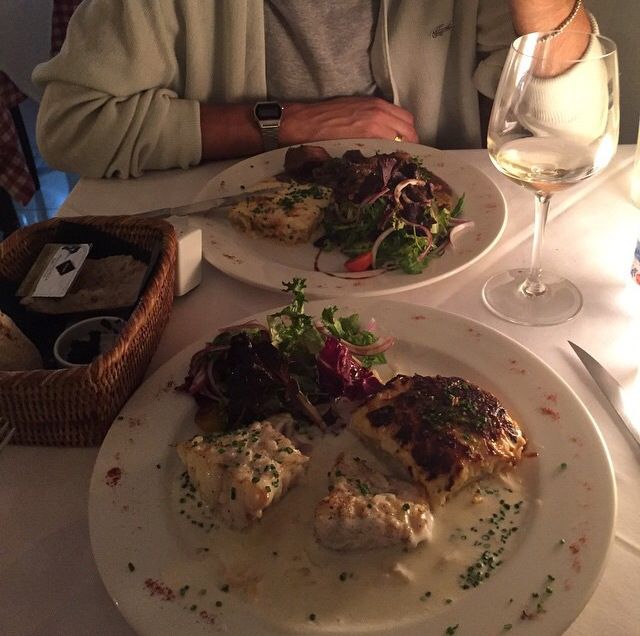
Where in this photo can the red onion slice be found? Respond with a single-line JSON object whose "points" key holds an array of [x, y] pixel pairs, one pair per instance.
{"points": [[372, 198], [213, 387], [377, 243], [379, 346], [418, 226], [457, 230], [199, 382], [369, 273], [321, 327], [458, 221], [403, 184]]}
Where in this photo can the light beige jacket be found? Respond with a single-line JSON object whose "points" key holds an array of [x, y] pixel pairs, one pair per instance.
{"points": [[123, 95]]}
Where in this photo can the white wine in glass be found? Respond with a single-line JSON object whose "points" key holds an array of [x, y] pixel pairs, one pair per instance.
{"points": [[554, 123]]}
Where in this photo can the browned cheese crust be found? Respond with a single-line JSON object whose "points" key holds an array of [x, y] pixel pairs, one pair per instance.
{"points": [[445, 431]]}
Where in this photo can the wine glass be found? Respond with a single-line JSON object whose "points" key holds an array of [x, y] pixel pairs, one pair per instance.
{"points": [[554, 123]]}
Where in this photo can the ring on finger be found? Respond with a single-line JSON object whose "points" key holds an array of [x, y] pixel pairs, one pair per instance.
{"points": [[398, 137]]}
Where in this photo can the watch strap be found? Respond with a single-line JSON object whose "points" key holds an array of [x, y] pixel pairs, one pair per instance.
{"points": [[270, 136], [268, 116]]}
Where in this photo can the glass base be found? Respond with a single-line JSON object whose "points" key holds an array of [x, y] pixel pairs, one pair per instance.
{"points": [[504, 296]]}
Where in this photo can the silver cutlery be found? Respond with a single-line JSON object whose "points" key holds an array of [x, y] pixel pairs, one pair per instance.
{"points": [[209, 204], [610, 388]]}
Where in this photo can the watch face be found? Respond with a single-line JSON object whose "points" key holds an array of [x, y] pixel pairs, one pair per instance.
{"points": [[268, 110]]}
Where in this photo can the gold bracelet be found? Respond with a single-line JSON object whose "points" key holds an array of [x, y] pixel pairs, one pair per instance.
{"points": [[565, 23]]}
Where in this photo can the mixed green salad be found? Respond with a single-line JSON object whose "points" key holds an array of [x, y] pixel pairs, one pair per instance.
{"points": [[388, 210], [293, 363]]}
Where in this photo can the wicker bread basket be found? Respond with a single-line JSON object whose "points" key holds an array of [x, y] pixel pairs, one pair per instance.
{"points": [[75, 407]]}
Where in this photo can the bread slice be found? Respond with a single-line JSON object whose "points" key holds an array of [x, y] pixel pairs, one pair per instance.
{"points": [[17, 352], [102, 284]]}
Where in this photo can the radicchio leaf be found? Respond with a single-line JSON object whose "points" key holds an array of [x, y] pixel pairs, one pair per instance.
{"points": [[340, 374]]}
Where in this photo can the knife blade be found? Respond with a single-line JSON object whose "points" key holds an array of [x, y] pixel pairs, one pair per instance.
{"points": [[610, 388], [207, 205]]}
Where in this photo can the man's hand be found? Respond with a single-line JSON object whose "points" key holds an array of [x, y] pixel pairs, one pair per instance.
{"points": [[230, 131], [344, 118]]}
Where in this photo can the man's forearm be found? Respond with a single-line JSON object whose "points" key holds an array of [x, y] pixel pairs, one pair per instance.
{"points": [[531, 16], [546, 15], [228, 131]]}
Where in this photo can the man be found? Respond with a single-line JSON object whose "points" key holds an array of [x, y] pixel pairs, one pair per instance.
{"points": [[166, 83]]}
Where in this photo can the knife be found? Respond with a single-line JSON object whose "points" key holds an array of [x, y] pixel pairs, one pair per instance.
{"points": [[208, 204], [610, 388]]}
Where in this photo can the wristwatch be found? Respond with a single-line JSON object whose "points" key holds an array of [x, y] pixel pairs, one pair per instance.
{"points": [[268, 115]]}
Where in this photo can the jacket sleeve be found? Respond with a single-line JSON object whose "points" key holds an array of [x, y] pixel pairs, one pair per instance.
{"points": [[576, 102], [111, 103], [579, 95], [494, 35]]}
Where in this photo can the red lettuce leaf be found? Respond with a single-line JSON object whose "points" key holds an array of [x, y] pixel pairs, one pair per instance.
{"points": [[340, 374]]}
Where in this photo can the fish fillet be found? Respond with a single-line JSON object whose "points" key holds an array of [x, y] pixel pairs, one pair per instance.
{"points": [[240, 474], [366, 509]]}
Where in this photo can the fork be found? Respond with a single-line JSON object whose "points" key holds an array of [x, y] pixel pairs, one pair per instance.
{"points": [[6, 432]]}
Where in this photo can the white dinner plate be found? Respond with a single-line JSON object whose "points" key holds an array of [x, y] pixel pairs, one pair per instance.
{"points": [[267, 263], [163, 569]]}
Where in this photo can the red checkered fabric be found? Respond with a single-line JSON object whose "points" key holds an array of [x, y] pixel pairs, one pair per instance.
{"points": [[10, 94], [15, 177], [62, 12]]}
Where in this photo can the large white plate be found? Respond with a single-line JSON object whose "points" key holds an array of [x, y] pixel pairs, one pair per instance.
{"points": [[267, 263], [565, 529]]}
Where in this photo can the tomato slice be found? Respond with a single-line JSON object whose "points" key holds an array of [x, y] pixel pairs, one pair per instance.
{"points": [[359, 263]]}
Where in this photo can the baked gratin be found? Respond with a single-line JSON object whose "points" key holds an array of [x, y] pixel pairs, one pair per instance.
{"points": [[444, 431], [291, 214]]}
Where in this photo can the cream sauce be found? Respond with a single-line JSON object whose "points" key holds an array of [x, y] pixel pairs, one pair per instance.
{"points": [[283, 575]]}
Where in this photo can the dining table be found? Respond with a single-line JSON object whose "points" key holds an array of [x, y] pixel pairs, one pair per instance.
{"points": [[49, 583]]}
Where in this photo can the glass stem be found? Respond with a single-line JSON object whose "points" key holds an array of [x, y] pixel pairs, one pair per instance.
{"points": [[533, 285]]}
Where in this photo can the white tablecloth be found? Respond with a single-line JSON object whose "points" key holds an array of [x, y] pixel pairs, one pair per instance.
{"points": [[49, 584]]}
